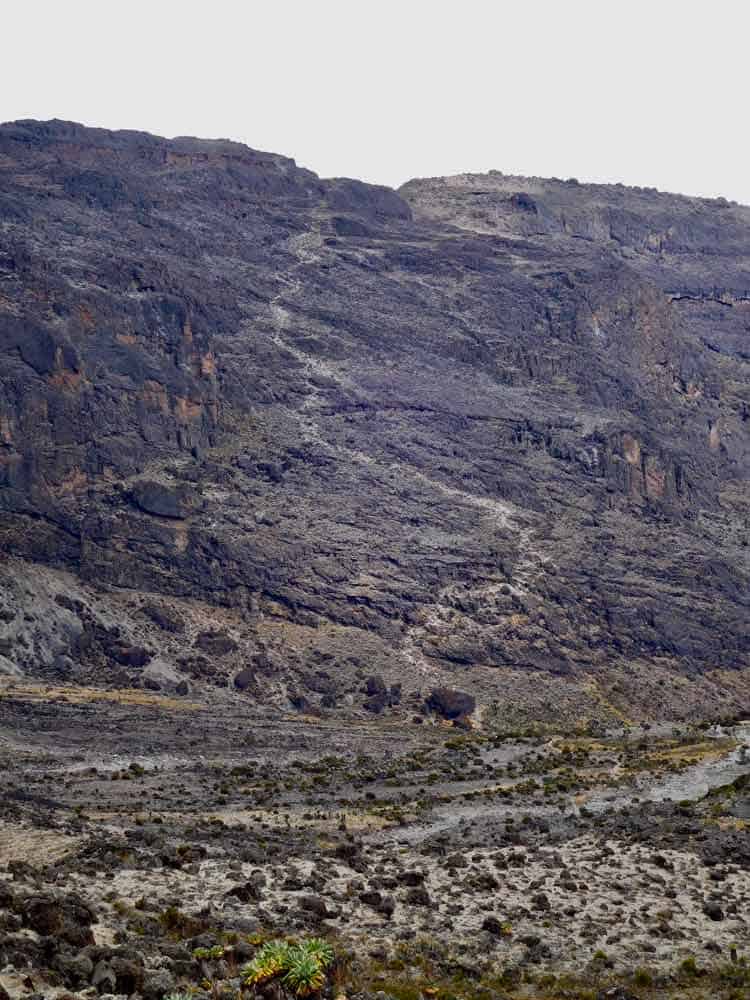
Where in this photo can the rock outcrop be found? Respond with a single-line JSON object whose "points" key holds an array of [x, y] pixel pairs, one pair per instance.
{"points": [[488, 426]]}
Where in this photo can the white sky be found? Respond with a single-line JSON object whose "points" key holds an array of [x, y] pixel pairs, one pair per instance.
{"points": [[653, 93]]}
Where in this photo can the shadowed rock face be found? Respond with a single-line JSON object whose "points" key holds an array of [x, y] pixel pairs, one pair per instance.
{"points": [[492, 430]]}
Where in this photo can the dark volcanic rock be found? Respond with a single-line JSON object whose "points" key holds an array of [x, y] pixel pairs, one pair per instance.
{"points": [[713, 911], [130, 656], [64, 917], [165, 501], [245, 893], [163, 617], [418, 896], [493, 926], [244, 679], [493, 425], [450, 704], [215, 643]]}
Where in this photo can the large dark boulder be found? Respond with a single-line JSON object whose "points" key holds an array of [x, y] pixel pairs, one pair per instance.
{"points": [[244, 679], [215, 643], [162, 500], [65, 917], [449, 703], [164, 617]]}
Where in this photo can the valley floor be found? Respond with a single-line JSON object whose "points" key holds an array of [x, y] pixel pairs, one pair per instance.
{"points": [[438, 863]]}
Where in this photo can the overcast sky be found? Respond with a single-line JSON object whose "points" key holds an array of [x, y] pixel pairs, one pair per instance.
{"points": [[652, 93]]}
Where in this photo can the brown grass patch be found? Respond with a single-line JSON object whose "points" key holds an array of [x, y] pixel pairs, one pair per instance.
{"points": [[85, 695]]}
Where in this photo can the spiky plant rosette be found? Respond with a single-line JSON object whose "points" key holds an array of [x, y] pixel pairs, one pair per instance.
{"points": [[301, 967], [318, 949], [304, 974], [271, 960]]}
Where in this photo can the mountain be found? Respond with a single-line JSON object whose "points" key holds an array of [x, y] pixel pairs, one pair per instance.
{"points": [[329, 447]]}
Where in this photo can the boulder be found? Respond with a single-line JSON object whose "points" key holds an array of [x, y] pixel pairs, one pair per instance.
{"points": [[244, 679], [162, 500], [164, 617], [449, 703], [65, 917], [215, 643]]}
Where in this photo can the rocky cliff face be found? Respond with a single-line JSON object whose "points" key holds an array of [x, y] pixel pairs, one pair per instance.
{"points": [[489, 433]]}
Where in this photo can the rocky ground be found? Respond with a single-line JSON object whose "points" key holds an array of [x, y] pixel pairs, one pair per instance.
{"points": [[139, 828]]}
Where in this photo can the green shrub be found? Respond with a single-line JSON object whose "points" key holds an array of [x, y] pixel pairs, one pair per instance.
{"points": [[643, 978], [271, 960], [689, 967], [299, 968], [304, 974], [209, 953]]}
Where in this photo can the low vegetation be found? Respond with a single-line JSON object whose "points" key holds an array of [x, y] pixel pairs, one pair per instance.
{"points": [[299, 968]]}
